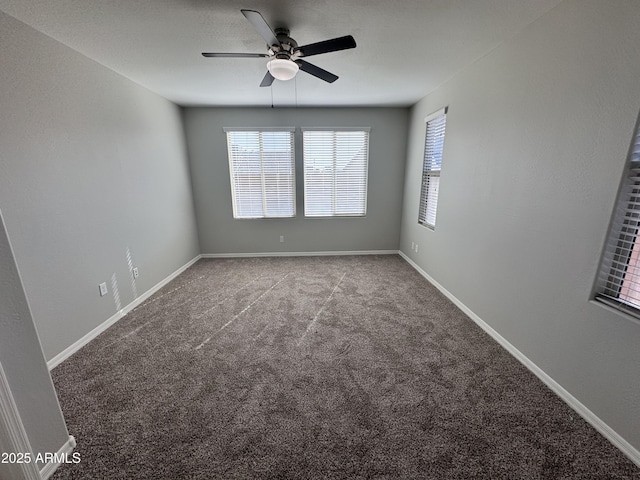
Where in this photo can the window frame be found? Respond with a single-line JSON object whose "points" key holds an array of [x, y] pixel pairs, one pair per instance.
{"points": [[335, 207], [622, 245], [266, 195], [426, 212]]}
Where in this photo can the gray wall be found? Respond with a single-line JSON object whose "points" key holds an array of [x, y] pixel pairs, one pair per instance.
{"points": [[220, 233], [22, 360], [537, 137], [92, 166]]}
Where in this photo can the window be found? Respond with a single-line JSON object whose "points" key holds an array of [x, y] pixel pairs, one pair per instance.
{"points": [[262, 172], [335, 172], [618, 283], [433, 146]]}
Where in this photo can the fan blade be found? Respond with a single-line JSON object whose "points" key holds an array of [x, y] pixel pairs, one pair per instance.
{"points": [[261, 26], [333, 45], [316, 71], [234, 55], [267, 80]]}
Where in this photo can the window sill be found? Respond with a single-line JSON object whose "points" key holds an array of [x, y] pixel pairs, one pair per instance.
{"points": [[618, 311], [428, 227], [311, 217]]}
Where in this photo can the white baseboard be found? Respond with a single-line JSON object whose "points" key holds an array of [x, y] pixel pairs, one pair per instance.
{"points": [[597, 423], [299, 254], [64, 452], [77, 345]]}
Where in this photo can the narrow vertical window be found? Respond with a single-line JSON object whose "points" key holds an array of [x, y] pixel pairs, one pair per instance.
{"points": [[335, 172], [618, 283], [262, 173], [432, 165]]}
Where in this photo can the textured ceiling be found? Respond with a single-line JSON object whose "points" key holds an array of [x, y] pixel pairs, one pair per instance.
{"points": [[405, 48]]}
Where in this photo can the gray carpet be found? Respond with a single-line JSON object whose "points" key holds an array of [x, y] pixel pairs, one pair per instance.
{"points": [[314, 368]]}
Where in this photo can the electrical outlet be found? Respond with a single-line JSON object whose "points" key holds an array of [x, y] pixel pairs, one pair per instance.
{"points": [[103, 289], [136, 273], [281, 238]]}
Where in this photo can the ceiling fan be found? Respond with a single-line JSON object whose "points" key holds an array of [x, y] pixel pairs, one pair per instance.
{"points": [[285, 54]]}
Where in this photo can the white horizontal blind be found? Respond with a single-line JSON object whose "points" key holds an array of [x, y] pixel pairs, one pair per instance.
{"points": [[335, 172], [262, 173], [431, 167], [619, 280]]}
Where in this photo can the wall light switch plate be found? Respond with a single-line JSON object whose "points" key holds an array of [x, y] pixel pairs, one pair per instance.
{"points": [[103, 289], [136, 273]]}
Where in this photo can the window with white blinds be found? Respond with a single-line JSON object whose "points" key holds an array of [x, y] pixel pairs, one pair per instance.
{"points": [[262, 172], [335, 172], [618, 283], [431, 167]]}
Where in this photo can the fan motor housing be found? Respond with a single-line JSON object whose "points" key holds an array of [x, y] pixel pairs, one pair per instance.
{"points": [[287, 44]]}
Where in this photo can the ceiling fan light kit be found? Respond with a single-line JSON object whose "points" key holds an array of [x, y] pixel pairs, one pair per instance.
{"points": [[284, 53], [282, 68]]}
